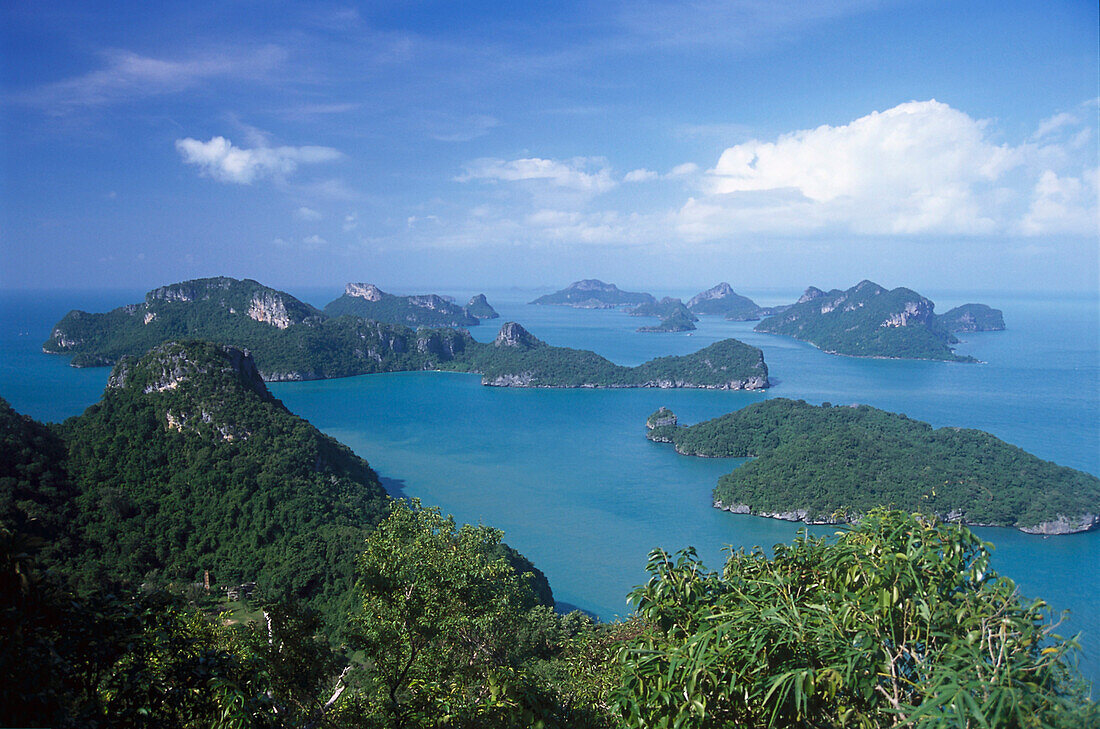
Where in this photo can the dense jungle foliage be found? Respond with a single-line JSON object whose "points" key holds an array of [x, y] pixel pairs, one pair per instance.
{"points": [[827, 460], [896, 622]]}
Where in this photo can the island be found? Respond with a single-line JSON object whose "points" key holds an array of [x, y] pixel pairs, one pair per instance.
{"points": [[867, 321], [430, 310], [973, 318], [479, 307], [290, 340], [829, 464], [674, 316], [594, 294], [722, 300], [516, 358]]}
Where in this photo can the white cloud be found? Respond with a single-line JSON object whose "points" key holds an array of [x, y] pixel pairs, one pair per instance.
{"points": [[219, 159], [1062, 205], [304, 213], [313, 241], [688, 168], [640, 175], [920, 167], [572, 174], [127, 75], [1054, 123], [351, 222]]}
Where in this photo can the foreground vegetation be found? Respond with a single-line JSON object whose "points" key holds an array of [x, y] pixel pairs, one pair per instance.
{"points": [[823, 463], [896, 622]]}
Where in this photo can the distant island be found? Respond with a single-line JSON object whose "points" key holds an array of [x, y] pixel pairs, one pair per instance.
{"points": [[829, 464], [674, 316], [594, 294], [722, 300], [973, 318], [869, 321], [291, 340], [518, 359], [428, 310], [479, 307]]}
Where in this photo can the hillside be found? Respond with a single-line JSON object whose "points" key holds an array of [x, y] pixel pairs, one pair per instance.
{"points": [[369, 302], [815, 463], [973, 318], [867, 321], [189, 464]]}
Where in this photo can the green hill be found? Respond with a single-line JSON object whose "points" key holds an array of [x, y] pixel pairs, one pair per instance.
{"points": [[820, 464], [724, 301]]}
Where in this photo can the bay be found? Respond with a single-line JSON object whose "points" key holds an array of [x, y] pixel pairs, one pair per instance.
{"points": [[569, 476]]}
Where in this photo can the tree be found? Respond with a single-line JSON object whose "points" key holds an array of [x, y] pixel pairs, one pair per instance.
{"points": [[897, 621], [437, 620]]}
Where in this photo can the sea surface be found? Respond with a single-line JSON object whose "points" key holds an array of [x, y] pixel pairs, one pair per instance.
{"points": [[569, 476]]}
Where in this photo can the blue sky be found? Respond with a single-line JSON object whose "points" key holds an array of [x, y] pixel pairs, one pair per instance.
{"points": [[442, 145]]}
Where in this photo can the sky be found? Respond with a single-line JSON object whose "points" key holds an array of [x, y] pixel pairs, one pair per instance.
{"points": [[426, 145]]}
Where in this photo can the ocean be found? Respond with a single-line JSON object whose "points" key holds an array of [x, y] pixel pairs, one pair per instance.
{"points": [[569, 476]]}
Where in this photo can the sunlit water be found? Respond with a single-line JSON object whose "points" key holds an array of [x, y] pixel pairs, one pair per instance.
{"points": [[569, 476]]}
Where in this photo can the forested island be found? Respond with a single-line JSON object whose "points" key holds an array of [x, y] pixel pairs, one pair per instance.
{"points": [[594, 294], [869, 321], [430, 310], [825, 464], [291, 340], [674, 316]]}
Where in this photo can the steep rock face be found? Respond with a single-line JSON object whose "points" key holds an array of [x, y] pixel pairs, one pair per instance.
{"points": [[919, 310], [662, 418], [269, 308], [513, 335], [445, 344], [367, 291]]}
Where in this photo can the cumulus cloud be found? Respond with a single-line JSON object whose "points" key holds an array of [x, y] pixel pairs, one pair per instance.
{"points": [[219, 159], [920, 167], [304, 213], [572, 174]]}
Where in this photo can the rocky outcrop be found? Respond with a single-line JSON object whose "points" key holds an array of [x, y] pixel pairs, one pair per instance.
{"points": [[479, 307], [720, 291], [919, 310], [973, 318], [662, 418], [1065, 525], [367, 291], [513, 335], [810, 294], [172, 364], [269, 308]]}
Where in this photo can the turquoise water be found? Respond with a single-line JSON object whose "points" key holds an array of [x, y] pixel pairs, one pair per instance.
{"points": [[569, 477]]}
